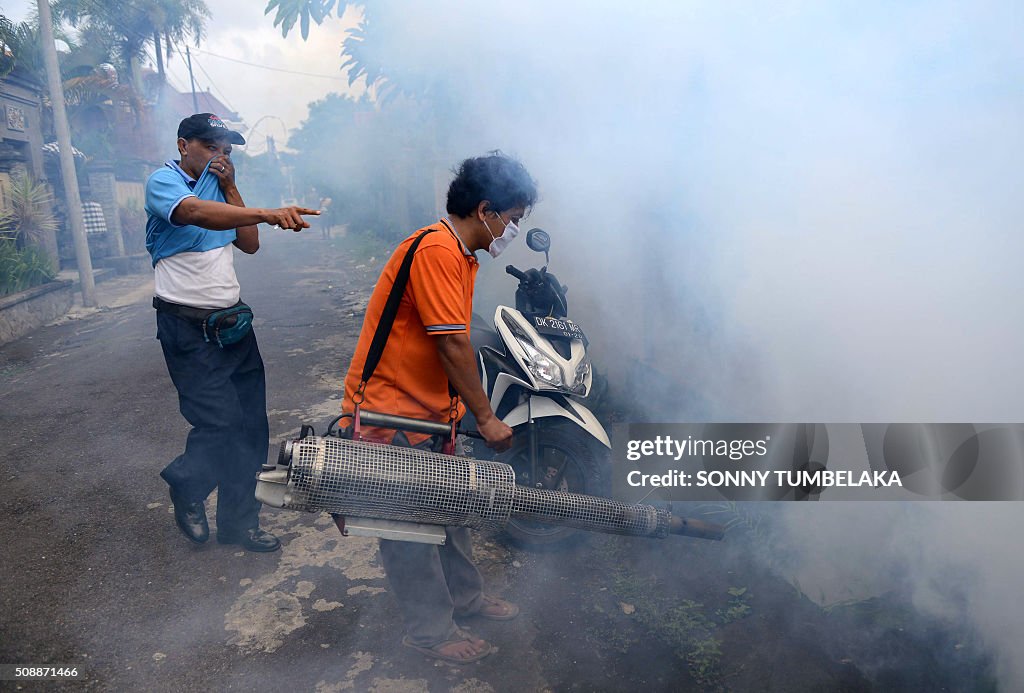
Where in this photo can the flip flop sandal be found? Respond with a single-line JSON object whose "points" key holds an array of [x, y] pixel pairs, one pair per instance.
{"points": [[433, 651]]}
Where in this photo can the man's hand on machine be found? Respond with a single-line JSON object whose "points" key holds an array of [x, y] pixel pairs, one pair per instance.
{"points": [[497, 434]]}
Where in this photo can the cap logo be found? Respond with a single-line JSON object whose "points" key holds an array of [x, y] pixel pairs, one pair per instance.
{"points": [[215, 122]]}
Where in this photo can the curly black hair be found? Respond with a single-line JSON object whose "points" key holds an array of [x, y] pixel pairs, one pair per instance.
{"points": [[497, 178]]}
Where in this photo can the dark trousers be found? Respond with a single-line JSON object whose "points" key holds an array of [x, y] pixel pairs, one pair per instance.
{"points": [[432, 583], [222, 393]]}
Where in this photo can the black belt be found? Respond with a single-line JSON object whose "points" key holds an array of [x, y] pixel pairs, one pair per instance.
{"points": [[187, 312]]}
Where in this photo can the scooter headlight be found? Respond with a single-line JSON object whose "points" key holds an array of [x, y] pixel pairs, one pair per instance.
{"points": [[541, 366]]}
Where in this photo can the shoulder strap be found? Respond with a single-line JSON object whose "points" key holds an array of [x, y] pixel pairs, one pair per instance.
{"points": [[387, 316]]}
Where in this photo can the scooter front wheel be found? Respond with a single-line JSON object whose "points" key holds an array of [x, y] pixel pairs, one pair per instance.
{"points": [[568, 459]]}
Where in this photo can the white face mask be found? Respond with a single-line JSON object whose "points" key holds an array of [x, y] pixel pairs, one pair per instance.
{"points": [[498, 244]]}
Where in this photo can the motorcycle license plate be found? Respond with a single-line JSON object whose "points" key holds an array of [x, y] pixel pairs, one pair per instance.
{"points": [[558, 327]]}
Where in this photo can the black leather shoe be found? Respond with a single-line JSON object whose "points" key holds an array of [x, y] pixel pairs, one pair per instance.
{"points": [[251, 540], [191, 519]]}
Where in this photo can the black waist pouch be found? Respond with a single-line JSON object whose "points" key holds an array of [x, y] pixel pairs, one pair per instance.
{"points": [[220, 325], [228, 325]]}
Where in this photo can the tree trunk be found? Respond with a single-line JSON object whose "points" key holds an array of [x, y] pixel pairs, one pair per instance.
{"points": [[159, 57], [67, 164]]}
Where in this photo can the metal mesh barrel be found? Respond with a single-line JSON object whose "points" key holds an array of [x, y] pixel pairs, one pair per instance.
{"points": [[589, 512], [388, 482], [394, 483]]}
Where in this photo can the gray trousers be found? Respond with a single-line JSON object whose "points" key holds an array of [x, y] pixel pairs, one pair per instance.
{"points": [[433, 583]]}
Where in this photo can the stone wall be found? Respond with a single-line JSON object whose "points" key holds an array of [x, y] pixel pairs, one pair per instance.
{"points": [[103, 187], [28, 310]]}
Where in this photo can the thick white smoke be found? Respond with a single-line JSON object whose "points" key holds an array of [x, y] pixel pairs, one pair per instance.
{"points": [[795, 210], [958, 558]]}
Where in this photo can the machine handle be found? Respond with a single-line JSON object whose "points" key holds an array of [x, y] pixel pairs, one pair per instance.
{"points": [[406, 423]]}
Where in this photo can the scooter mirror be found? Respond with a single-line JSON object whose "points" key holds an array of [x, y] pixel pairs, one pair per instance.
{"points": [[538, 240]]}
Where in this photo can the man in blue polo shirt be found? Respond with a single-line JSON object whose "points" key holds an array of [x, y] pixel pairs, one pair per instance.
{"points": [[196, 217]]}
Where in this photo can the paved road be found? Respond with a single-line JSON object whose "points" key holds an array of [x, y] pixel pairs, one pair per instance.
{"points": [[96, 576]]}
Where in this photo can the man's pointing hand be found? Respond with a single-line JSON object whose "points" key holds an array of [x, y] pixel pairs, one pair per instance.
{"points": [[289, 217]]}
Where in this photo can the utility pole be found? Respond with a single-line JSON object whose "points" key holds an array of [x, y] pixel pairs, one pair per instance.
{"points": [[72, 197], [191, 79]]}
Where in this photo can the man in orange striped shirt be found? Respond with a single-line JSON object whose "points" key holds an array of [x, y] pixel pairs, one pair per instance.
{"points": [[428, 349]]}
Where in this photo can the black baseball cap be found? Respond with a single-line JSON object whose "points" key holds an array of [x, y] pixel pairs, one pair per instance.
{"points": [[207, 126]]}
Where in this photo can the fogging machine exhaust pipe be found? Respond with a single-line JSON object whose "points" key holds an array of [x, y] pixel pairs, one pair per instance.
{"points": [[410, 494]]}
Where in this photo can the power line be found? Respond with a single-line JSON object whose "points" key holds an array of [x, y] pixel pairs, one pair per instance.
{"points": [[222, 96], [275, 69], [174, 79]]}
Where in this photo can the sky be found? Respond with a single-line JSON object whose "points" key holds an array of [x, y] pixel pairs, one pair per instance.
{"points": [[238, 29]]}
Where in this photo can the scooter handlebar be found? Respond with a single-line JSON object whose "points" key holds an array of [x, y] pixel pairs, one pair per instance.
{"points": [[518, 274]]}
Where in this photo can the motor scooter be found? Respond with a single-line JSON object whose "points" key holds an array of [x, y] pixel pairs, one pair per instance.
{"points": [[536, 372]]}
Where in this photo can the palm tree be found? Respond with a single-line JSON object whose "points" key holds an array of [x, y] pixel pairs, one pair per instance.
{"points": [[10, 44], [135, 24], [21, 46], [177, 21]]}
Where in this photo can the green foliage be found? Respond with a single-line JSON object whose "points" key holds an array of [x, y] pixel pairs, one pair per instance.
{"points": [[20, 47], [22, 268], [22, 227], [704, 657], [364, 49], [683, 624], [8, 45], [290, 11], [29, 219], [358, 59], [738, 606]]}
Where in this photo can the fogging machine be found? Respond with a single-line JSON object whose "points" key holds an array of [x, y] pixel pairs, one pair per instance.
{"points": [[409, 494]]}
